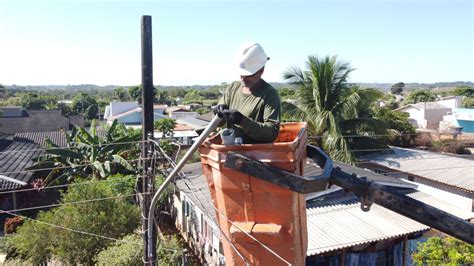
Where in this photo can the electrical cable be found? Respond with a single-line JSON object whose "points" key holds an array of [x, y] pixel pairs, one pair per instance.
{"points": [[74, 202]]}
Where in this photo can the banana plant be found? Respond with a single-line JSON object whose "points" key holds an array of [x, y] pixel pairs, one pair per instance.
{"points": [[89, 154]]}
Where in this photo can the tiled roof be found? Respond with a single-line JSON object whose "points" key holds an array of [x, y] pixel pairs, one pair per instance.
{"points": [[446, 169], [15, 156], [57, 137], [334, 221]]}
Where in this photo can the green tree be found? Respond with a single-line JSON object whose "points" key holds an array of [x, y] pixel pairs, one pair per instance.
{"points": [[416, 96], [287, 93], [166, 126], [397, 88], [88, 154], [444, 251], [468, 102], [329, 105], [55, 233], [85, 104], [464, 91], [120, 94], [32, 101], [193, 96]]}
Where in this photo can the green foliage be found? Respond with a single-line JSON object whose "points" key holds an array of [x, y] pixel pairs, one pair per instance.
{"points": [[135, 93], [35, 101], [193, 96], [287, 93], [464, 91], [120, 94], [416, 96], [127, 252], [329, 105], [444, 251], [468, 102], [395, 120], [130, 251], [85, 104], [397, 88], [166, 126], [113, 216], [87, 154]]}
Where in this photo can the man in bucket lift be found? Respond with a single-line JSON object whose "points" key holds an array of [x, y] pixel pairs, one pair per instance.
{"points": [[251, 106]]}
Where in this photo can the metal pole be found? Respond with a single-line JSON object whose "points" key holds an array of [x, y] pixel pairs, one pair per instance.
{"points": [[151, 236], [147, 184]]}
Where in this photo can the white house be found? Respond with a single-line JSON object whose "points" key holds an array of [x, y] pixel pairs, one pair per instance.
{"points": [[428, 115], [130, 113]]}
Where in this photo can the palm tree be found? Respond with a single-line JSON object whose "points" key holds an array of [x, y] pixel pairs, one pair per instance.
{"points": [[329, 105], [88, 155]]}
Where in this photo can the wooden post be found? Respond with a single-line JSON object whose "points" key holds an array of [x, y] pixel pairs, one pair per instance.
{"points": [[405, 251]]}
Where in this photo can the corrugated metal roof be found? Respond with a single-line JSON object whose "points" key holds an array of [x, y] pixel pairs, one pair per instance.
{"points": [[451, 170], [334, 220], [339, 226], [15, 156]]}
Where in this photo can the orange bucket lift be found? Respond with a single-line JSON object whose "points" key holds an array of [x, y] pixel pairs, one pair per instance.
{"points": [[266, 223]]}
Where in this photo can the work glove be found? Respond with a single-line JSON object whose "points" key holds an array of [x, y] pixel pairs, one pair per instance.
{"points": [[219, 110], [233, 116]]}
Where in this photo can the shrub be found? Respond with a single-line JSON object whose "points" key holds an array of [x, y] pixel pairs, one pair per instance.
{"points": [[130, 251], [55, 233]]}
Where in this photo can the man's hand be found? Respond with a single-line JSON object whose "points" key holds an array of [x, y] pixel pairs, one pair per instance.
{"points": [[233, 116], [220, 109]]}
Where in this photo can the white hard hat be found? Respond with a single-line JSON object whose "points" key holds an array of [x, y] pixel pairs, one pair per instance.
{"points": [[250, 58]]}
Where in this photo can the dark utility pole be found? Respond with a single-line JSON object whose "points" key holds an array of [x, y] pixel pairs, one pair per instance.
{"points": [[147, 181]]}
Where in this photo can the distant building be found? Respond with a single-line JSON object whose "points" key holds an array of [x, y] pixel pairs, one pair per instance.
{"points": [[17, 119], [462, 118], [428, 115], [130, 113]]}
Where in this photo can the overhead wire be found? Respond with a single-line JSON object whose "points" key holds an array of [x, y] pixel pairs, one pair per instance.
{"points": [[74, 202]]}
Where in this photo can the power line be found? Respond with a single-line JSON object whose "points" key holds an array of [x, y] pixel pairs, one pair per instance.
{"points": [[76, 202], [69, 229]]}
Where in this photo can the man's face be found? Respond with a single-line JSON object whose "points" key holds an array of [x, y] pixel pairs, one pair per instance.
{"points": [[251, 81]]}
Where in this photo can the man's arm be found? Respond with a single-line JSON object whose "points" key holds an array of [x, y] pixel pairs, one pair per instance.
{"points": [[267, 131]]}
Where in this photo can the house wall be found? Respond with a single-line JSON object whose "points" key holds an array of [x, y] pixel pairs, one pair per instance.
{"points": [[434, 116], [451, 102], [417, 117], [135, 118], [179, 115], [197, 229], [120, 107]]}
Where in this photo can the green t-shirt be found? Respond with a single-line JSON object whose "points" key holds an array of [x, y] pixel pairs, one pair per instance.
{"points": [[261, 110]]}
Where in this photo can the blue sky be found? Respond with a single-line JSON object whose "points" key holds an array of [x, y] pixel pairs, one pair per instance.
{"points": [[98, 42]]}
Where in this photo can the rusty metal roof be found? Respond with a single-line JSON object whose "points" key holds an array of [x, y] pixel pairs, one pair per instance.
{"points": [[456, 171]]}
